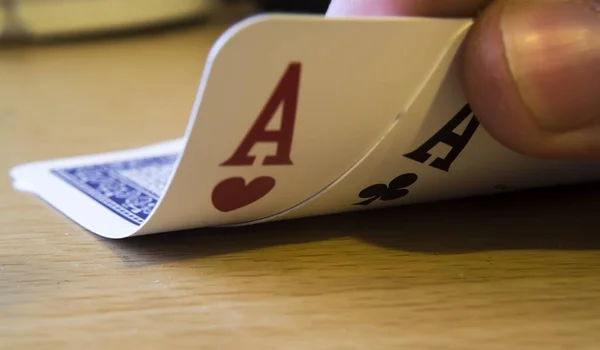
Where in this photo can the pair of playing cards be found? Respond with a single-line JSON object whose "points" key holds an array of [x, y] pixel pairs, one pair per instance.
{"points": [[301, 115]]}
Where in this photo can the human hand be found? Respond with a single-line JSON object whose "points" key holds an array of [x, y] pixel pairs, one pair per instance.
{"points": [[530, 68]]}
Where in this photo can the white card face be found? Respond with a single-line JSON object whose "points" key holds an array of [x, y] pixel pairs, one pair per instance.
{"points": [[286, 106], [304, 82], [439, 152]]}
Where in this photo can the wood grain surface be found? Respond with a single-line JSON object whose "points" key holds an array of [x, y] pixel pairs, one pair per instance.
{"points": [[517, 271]]}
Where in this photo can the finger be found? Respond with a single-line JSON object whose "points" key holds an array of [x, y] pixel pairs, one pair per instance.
{"points": [[531, 71], [430, 8]]}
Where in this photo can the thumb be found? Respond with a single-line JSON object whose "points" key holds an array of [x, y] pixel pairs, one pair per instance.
{"points": [[531, 72]]}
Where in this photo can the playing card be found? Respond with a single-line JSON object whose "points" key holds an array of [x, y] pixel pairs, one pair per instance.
{"points": [[287, 106], [438, 150], [110, 194]]}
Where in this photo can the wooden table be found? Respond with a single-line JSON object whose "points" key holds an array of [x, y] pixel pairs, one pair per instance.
{"points": [[505, 272]]}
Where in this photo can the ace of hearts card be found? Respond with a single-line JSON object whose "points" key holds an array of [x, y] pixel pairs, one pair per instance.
{"points": [[301, 115]]}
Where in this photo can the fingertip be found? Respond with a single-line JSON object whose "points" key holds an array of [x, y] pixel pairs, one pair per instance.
{"points": [[422, 8], [488, 84], [495, 98], [343, 8]]}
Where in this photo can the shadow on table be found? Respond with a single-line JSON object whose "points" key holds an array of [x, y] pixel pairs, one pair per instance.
{"points": [[549, 219]]}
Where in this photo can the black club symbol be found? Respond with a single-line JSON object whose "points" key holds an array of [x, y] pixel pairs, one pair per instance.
{"points": [[395, 190]]}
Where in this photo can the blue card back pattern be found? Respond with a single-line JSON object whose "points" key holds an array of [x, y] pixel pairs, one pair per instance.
{"points": [[130, 188]]}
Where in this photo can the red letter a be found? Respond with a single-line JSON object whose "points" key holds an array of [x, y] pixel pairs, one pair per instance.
{"points": [[285, 93]]}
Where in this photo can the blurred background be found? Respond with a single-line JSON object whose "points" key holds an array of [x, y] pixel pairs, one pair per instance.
{"points": [[31, 20]]}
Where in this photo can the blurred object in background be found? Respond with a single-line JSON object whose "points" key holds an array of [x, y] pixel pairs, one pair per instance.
{"points": [[27, 19], [46, 19]]}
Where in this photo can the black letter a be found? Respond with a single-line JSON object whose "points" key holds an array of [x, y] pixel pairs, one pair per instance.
{"points": [[448, 136]]}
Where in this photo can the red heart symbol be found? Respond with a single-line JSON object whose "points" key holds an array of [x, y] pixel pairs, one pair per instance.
{"points": [[233, 193]]}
